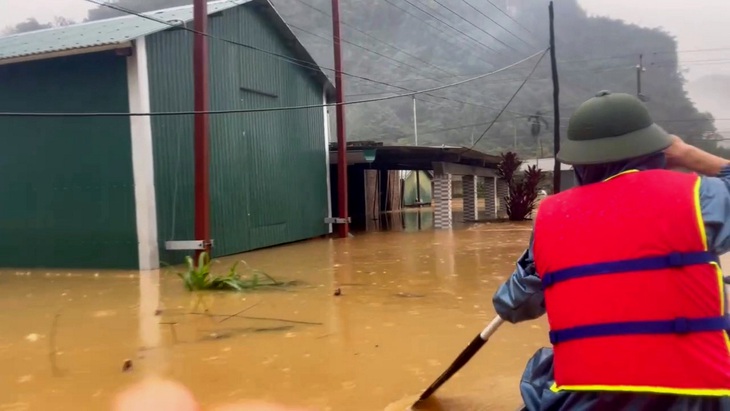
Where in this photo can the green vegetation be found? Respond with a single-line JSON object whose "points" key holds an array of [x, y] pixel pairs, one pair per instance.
{"points": [[522, 188], [198, 277]]}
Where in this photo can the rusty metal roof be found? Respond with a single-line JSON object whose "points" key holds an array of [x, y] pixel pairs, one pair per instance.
{"points": [[412, 157], [109, 32]]}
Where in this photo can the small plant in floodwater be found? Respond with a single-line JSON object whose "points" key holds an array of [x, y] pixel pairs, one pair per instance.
{"points": [[198, 277]]}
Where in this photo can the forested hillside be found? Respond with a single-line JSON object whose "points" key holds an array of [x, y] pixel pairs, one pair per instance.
{"points": [[404, 45]]}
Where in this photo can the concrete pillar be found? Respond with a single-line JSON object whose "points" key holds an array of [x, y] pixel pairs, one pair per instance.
{"points": [[490, 197], [502, 193], [471, 207], [442, 215]]}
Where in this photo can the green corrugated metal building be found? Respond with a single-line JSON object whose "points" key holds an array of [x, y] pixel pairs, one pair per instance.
{"points": [[109, 192]]}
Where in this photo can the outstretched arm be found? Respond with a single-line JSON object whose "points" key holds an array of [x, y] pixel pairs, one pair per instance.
{"points": [[714, 190], [681, 154], [521, 297]]}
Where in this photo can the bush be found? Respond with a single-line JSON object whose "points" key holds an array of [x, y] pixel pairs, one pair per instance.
{"points": [[522, 186]]}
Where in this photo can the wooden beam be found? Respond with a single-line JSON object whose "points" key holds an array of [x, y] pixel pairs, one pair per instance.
{"points": [[441, 168], [65, 53]]}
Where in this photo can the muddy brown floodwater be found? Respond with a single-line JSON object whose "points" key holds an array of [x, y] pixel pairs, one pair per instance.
{"points": [[409, 303]]}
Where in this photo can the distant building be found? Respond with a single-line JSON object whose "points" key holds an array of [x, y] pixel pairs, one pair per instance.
{"points": [[381, 179], [547, 165], [110, 191]]}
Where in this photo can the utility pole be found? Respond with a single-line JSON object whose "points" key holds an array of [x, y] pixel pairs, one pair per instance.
{"points": [[415, 121], [640, 69], [556, 101], [415, 134], [202, 126], [343, 228]]}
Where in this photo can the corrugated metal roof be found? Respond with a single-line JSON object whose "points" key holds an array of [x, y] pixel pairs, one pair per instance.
{"points": [[99, 33]]}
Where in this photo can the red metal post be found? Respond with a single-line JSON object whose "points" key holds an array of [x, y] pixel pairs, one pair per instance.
{"points": [[342, 228], [202, 125]]}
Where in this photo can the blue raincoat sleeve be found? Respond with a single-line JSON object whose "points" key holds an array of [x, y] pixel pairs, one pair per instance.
{"points": [[521, 298], [715, 204]]}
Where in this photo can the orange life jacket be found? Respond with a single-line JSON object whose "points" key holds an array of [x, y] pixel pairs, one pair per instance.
{"points": [[634, 299]]}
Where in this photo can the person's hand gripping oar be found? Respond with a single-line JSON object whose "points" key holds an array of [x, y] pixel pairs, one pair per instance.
{"points": [[463, 358]]}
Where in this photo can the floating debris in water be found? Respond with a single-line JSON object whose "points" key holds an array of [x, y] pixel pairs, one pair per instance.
{"points": [[338, 292], [127, 365], [434, 363], [32, 337], [409, 295], [104, 313]]}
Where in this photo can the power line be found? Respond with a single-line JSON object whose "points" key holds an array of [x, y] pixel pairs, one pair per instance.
{"points": [[439, 29], [299, 62], [379, 40], [397, 62], [267, 109], [286, 58], [302, 63], [587, 69], [510, 17], [495, 22], [451, 27], [509, 101], [474, 25], [377, 53], [633, 55], [389, 58]]}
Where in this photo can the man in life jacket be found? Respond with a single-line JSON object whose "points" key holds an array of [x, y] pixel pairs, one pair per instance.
{"points": [[626, 267]]}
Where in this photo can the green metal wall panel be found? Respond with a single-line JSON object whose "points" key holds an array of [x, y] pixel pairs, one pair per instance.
{"points": [[268, 170], [66, 192]]}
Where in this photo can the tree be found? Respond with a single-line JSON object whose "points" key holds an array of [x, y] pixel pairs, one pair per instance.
{"points": [[522, 188], [28, 25], [32, 24]]}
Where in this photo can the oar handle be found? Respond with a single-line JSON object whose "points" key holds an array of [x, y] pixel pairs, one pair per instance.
{"points": [[491, 328], [464, 357]]}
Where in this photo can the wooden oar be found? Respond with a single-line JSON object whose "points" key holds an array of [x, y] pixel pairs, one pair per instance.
{"points": [[463, 358]]}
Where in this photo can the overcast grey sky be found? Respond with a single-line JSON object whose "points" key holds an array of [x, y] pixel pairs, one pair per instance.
{"points": [[697, 24]]}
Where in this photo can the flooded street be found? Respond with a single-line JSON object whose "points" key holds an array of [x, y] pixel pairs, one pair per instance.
{"points": [[409, 303]]}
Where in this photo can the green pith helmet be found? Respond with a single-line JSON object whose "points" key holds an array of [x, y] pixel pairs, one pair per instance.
{"points": [[609, 128]]}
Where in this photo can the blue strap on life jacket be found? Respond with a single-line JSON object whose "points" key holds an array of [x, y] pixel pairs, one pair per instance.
{"points": [[675, 326], [623, 266]]}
